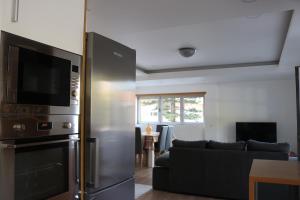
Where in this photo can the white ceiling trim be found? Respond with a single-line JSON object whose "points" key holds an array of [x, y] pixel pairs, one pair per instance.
{"points": [[216, 76], [237, 65]]}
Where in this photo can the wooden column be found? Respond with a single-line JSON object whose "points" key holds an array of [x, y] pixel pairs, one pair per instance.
{"points": [[297, 79], [82, 103]]}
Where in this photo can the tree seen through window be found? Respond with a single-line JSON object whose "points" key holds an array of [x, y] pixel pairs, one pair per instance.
{"points": [[171, 109]]}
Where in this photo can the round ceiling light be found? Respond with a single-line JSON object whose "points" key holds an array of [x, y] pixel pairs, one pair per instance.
{"points": [[187, 51]]}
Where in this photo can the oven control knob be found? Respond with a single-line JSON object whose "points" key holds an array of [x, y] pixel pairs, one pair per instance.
{"points": [[74, 93], [19, 127], [67, 125]]}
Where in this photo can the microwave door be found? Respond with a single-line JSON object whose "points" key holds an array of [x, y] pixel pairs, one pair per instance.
{"points": [[43, 79], [10, 76], [37, 78]]}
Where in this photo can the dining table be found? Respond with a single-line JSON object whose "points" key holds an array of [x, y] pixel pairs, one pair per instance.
{"points": [[149, 139]]}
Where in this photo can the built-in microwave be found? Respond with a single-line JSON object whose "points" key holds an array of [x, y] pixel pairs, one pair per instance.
{"points": [[37, 78]]}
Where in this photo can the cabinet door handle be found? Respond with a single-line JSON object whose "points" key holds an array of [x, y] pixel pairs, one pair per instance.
{"points": [[17, 146], [15, 11]]}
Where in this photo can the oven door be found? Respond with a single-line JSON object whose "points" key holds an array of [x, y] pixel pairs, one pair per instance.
{"points": [[39, 170]]}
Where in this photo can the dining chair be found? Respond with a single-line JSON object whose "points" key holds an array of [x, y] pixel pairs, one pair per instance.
{"points": [[170, 137], [138, 145], [160, 145]]}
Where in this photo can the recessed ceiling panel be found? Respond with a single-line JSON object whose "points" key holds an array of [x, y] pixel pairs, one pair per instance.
{"points": [[223, 33]]}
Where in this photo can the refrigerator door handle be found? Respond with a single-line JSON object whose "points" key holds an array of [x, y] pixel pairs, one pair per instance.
{"points": [[91, 142]]}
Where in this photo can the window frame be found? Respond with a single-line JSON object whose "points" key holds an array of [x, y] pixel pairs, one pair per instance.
{"points": [[160, 97]]}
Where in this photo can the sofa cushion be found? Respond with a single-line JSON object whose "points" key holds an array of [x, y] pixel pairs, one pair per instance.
{"points": [[190, 144], [253, 145], [163, 160], [239, 146]]}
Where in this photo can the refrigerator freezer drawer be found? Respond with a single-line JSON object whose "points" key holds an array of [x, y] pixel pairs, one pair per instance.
{"points": [[121, 191]]}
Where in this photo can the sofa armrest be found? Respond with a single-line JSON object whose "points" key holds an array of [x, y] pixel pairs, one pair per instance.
{"points": [[163, 160]]}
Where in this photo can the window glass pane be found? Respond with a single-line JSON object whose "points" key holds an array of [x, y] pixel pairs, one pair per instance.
{"points": [[149, 109], [171, 109], [193, 109]]}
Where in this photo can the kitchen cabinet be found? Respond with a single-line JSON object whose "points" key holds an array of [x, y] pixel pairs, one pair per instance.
{"points": [[57, 23]]}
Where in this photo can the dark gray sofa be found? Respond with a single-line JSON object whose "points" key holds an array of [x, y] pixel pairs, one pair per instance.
{"points": [[216, 169]]}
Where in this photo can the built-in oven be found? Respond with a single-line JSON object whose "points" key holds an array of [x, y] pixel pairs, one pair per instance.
{"points": [[39, 120], [39, 169], [39, 157], [37, 78]]}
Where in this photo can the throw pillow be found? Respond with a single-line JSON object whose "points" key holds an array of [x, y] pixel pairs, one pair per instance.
{"points": [[190, 144], [253, 145], [238, 146]]}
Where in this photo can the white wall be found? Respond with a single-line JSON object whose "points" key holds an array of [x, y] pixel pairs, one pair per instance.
{"points": [[1, 13], [57, 23], [227, 103], [1, 18]]}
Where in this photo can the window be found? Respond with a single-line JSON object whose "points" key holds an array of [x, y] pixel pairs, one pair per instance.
{"points": [[193, 109], [149, 106], [171, 108]]}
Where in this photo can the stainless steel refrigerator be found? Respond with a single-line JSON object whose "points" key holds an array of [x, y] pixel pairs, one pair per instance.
{"points": [[110, 119]]}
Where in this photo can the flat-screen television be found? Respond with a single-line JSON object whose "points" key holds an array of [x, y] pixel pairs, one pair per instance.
{"points": [[260, 131]]}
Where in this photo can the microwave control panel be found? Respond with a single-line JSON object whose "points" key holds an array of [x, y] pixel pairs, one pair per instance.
{"points": [[75, 81]]}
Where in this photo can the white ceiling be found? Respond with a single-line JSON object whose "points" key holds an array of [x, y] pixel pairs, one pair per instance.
{"points": [[229, 41], [224, 32], [134, 16]]}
